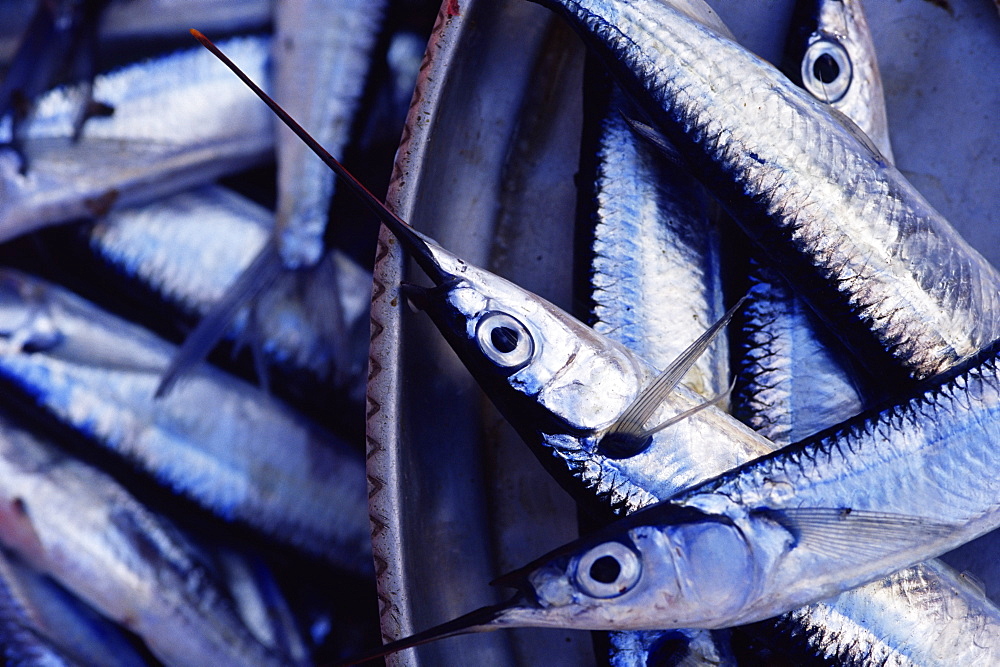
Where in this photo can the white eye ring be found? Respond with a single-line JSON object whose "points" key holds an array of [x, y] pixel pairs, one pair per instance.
{"points": [[835, 57], [608, 570], [504, 340]]}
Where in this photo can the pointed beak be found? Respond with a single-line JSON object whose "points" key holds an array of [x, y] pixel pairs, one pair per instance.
{"points": [[483, 619]]}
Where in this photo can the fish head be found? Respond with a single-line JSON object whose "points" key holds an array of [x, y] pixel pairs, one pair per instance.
{"points": [[667, 566], [670, 566], [544, 369]]}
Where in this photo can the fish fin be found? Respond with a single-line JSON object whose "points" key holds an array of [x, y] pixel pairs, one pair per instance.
{"points": [[653, 136], [849, 534], [260, 274], [630, 426], [858, 134], [715, 400]]}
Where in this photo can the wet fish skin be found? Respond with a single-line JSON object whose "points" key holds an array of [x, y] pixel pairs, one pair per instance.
{"points": [[945, 621], [870, 252], [852, 504], [791, 379], [178, 122], [655, 285], [79, 526], [655, 272], [249, 459]]}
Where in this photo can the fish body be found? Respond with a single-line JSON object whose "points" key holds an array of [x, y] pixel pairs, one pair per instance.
{"points": [[847, 228], [654, 286], [563, 387], [178, 122], [77, 525], [248, 459], [322, 54], [655, 270], [50, 619]]}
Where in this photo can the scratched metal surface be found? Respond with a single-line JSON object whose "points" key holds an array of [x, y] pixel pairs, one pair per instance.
{"points": [[486, 168]]}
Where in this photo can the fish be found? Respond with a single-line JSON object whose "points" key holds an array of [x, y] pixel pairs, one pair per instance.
{"points": [[885, 270], [249, 459], [851, 504], [562, 386], [80, 527], [321, 58], [125, 20], [177, 124], [656, 266], [191, 246], [41, 617]]}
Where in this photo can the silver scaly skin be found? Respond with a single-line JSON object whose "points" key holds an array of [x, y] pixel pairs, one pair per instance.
{"points": [[563, 387], [792, 385], [247, 459], [655, 273], [869, 251], [81, 528], [178, 122], [790, 382]]}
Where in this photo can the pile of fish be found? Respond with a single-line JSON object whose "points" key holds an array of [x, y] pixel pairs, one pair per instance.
{"points": [[157, 509], [764, 483]]}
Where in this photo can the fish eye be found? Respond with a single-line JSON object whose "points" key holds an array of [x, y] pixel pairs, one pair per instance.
{"points": [[608, 570], [826, 70], [504, 340]]}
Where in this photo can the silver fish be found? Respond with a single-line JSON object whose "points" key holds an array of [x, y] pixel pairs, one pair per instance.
{"points": [[80, 527], [849, 229], [38, 611], [321, 57], [655, 270], [655, 286], [793, 527], [178, 122], [321, 61], [248, 459], [142, 19], [191, 246]]}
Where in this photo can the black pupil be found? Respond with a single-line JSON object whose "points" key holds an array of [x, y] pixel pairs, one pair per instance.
{"points": [[504, 339], [826, 68], [605, 570]]}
